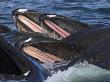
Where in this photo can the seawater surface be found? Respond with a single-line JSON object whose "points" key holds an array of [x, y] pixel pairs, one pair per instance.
{"points": [[88, 11], [82, 72]]}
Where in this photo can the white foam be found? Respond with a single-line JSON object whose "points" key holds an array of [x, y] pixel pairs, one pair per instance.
{"points": [[82, 72]]}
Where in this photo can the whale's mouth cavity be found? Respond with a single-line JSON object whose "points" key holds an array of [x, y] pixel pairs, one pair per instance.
{"points": [[56, 28], [55, 51], [40, 28], [33, 26]]}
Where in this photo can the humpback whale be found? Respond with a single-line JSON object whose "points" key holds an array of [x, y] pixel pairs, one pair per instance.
{"points": [[14, 65], [85, 38], [88, 37], [98, 54], [43, 49], [79, 33], [52, 25], [58, 52]]}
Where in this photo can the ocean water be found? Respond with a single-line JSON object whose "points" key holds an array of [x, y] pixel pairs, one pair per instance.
{"points": [[82, 72], [88, 11]]}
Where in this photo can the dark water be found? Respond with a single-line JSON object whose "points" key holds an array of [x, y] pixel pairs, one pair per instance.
{"points": [[88, 11]]}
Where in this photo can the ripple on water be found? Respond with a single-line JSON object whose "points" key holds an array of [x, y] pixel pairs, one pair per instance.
{"points": [[77, 9], [82, 72]]}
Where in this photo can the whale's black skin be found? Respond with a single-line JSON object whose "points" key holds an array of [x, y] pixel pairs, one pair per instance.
{"points": [[88, 37], [14, 65], [15, 37], [18, 40], [98, 54], [69, 25], [59, 48], [85, 37]]}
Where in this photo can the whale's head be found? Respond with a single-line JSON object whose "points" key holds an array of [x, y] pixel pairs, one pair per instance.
{"points": [[25, 19], [53, 25]]}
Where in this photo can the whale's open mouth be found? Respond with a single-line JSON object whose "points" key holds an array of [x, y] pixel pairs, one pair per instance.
{"points": [[53, 25], [36, 28], [42, 56], [55, 51], [33, 26]]}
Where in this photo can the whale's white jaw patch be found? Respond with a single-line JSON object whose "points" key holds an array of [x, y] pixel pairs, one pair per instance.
{"points": [[51, 16], [27, 73], [28, 40], [22, 10]]}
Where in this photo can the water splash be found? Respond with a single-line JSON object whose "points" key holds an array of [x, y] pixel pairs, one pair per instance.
{"points": [[82, 72], [53, 67]]}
